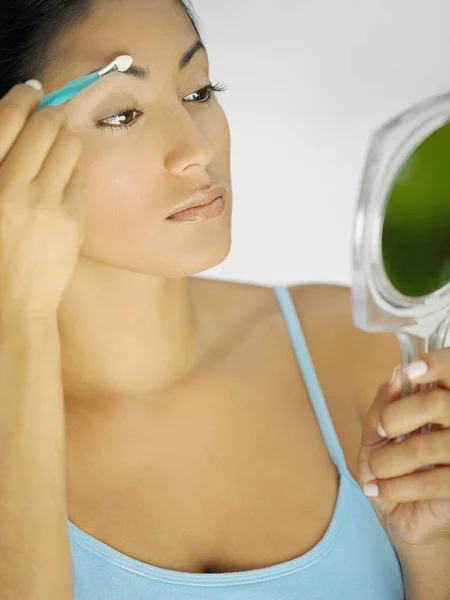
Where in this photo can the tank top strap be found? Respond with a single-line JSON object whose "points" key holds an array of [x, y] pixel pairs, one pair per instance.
{"points": [[310, 378]]}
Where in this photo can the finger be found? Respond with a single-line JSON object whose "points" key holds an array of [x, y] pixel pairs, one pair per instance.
{"points": [[59, 165], [15, 108], [417, 451], [400, 388], [371, 435], [412, 412], [426, 485], [430, 367], [26, 157]]}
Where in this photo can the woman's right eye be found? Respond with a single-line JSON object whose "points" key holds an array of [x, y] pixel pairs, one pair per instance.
{"points": [[103, 124]]}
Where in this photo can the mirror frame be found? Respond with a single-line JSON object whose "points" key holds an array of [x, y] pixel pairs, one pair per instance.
{"points": [[377, 304]]}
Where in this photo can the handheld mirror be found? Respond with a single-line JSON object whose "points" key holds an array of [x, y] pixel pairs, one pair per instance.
{"points": [[401, 243]]}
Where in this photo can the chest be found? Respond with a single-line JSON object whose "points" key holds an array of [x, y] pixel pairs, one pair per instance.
{"points": [[234, 476]]}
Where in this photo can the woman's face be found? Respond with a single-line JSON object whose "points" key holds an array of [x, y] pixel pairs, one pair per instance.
{"points": [[174, 145]]}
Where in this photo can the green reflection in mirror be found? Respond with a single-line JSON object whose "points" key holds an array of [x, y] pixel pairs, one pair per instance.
{"points": [[416, 229]]}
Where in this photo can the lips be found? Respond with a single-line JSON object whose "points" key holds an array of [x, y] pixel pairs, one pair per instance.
{"points": [[199, 198]]}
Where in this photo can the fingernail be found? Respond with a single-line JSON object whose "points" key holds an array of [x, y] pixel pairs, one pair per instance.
{"points": [[34, 83], [371, 490], [381, 431], [416, 369]]}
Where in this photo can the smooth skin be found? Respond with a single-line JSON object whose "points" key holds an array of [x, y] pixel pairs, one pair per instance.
{"points": [[42, 204], [138, 332], [415, 505]]}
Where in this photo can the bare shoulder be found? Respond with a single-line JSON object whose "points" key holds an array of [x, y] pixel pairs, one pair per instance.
{"points": [[368, 359], [351, 364]]}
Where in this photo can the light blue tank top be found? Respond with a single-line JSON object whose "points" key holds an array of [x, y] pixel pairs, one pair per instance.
{"points": [[353, 560]]}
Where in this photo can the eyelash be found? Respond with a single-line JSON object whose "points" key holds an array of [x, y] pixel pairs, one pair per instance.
{"points": [[213, 89]]}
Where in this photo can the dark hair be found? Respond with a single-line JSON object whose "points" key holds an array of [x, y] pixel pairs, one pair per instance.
{"points": [[28, 29]]}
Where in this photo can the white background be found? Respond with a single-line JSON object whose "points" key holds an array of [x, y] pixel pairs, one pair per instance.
{"points": [[308, 83]]}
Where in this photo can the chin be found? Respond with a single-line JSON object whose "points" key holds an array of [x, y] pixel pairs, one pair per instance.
{"points": [[195, 248], [179, 252], [197, 261]]}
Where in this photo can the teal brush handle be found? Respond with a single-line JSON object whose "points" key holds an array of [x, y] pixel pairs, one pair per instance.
{"points": [[69, 91]]}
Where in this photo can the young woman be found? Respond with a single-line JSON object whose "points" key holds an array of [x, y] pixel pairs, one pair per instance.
{"points": [[164, 436]]}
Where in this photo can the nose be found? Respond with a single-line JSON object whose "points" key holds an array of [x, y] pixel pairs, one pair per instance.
{"points": [[188, 146]]}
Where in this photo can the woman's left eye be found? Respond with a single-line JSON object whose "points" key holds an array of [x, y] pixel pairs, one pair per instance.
{"points": [[210, 91]]}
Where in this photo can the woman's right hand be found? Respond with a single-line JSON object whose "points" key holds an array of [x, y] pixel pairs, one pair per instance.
{"points": [[42, 202]]}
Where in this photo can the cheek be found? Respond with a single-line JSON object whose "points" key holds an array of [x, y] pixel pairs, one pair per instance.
{"points": [[221, 139], [120, 186], [121, 177], [220, 130]]}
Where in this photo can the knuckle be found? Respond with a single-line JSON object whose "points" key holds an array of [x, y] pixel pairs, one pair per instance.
{"points": [[49, 119], [437, 401], [389, 491], [433, 485], [416, 447], [424, 449], [70, 141], [431, 446], [10, 113], [59, 114], [78, 177], [47, 123]]}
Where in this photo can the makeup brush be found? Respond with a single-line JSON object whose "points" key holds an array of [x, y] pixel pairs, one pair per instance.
{"points": [[121, 64]]}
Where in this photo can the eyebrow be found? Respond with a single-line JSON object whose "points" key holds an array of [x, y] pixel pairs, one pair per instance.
{"points": [[144, 73]]}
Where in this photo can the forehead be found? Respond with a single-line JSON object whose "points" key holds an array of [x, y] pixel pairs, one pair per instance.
{"points": [[154, 32]]}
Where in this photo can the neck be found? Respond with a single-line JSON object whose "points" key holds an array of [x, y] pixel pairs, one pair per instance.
{"points": [[125, 335]]}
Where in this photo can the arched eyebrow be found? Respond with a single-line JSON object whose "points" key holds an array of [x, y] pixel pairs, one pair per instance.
{"points": [[143, 72]]}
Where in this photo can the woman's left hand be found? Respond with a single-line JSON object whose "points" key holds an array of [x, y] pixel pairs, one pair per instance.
{"points": [[413, 507]]}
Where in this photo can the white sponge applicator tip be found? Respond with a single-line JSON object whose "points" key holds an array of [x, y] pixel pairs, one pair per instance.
{"points": [[124, 62]]}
